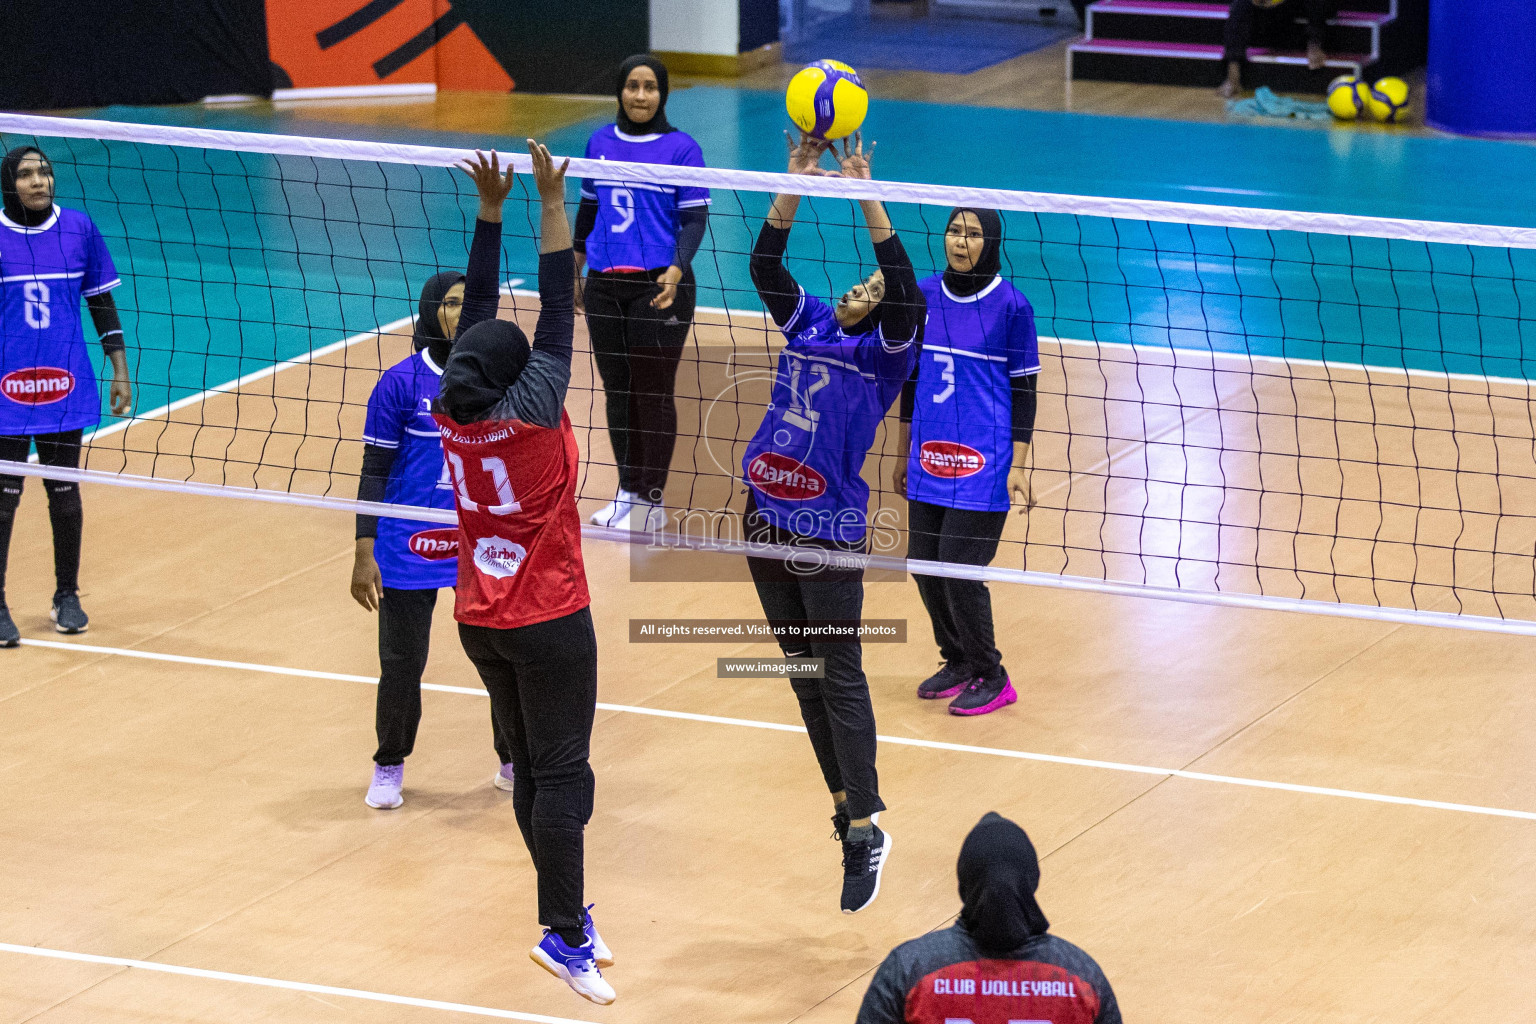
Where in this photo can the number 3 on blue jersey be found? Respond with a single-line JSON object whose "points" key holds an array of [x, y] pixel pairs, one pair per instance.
{"points": [[947, 375], [623, 202]]}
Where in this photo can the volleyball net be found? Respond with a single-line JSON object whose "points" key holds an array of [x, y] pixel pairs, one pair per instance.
{"points": [[1238, 406]]}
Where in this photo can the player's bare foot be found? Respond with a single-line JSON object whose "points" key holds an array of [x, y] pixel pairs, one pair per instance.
{"points": [[1226, 90]]}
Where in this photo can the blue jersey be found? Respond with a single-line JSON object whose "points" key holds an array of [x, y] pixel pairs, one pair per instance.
{"points": [[47, 377], [637, 221], [830, 394], [962, 422], [412, 555]]}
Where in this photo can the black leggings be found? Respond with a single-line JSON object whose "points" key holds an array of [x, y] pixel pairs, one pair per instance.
{"points": [[961, 610], [543, 684], [405, 632], [1248, 25], [637, 349], [64, 509], [836, 710]]}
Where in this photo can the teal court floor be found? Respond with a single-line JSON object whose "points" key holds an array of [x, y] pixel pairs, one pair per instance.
{"points": [[232, 262]]}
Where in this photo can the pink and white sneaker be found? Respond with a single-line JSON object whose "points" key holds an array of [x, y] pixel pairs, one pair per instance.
{"points": [[981, 697], [502, 780]]}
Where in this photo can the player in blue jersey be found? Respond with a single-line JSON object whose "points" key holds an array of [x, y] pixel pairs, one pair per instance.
{"points": [[972, 415], [400, 564], [638, 241], [50, 259], [841, 368]]}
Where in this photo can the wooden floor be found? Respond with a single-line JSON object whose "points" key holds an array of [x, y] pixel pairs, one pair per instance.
{"points": [[1038, 81], [211, 817], [1033, 81]]}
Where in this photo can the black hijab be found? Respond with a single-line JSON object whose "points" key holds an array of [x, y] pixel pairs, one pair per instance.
{"points": [[964, 283], [999, 874], [14, 207], [657, 125], [429, 331], [485, 361]]}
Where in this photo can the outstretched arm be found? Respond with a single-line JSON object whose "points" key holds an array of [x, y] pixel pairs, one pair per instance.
{"points": [[903, 307], [776, 287], [803, 158], [538, 395], [482, 298]]}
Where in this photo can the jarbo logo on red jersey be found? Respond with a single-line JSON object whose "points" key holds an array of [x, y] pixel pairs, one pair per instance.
{"points": [[435, 545], [499, 558], [37, 385], [950, 459], [782, 477]]}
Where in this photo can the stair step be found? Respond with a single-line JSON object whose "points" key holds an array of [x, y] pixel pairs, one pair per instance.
{"points": [[1141, 60], [1218, 12], [1379, 10], [1205, 51]]}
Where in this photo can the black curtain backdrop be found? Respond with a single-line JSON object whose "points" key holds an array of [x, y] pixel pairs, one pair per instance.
{"points": [[759, 23], [94, 53], [560, 45]]}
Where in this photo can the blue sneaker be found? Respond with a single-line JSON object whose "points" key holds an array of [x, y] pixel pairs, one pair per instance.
{"points": [[601, 954], [576, 967]]}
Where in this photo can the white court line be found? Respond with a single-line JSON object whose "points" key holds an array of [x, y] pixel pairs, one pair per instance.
{"points": [[293, 986], [900, 741]]}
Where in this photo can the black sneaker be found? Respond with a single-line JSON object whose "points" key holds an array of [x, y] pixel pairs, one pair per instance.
{"points": [[10, 636], [839, 826], [862, 864], [949, 680], [984, 696], [67, 615]]}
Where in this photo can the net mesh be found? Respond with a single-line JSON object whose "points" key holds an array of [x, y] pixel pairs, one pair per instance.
{"points": [[1245, 402]]}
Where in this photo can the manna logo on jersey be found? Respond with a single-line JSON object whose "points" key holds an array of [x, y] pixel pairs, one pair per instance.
{"points": [[787, 479], [435, 545], [499, 558], [37, 385], [950, 459]]}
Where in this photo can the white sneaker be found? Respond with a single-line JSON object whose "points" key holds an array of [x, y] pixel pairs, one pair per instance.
{"points": [[616, 511], [384, 793], [503, 779], [576, 967], [601, 954], [647, 518]]}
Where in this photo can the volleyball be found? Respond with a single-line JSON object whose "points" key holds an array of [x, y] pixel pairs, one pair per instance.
{"points": [[1347, 96], [826, 100], [1388, 100]]}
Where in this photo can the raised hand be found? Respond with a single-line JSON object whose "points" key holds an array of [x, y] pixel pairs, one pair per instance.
{"points": [[854, 160], [492, 185], [806, 154], [549, 179]]}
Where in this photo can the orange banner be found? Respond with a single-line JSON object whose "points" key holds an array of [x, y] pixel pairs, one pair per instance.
{"points": [[318, 43]]}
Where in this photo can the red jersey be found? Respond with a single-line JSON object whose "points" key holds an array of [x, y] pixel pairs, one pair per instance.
{"points": [[519, 531]]}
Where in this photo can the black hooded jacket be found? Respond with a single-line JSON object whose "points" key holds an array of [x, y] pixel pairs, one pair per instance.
{"points": [[997, 962], [492, 373]]}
